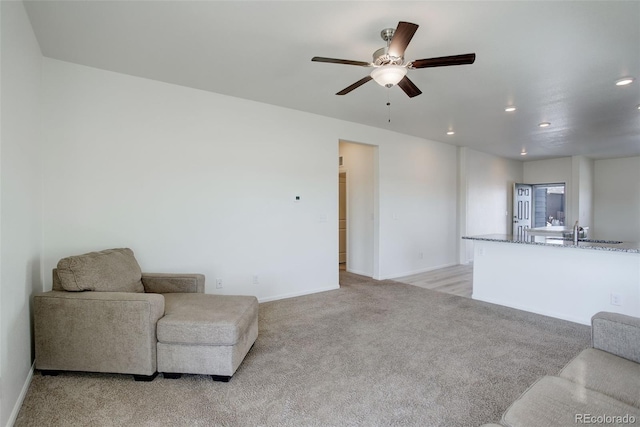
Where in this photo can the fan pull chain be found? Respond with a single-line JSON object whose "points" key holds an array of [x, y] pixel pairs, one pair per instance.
{"points": [[389, 105]]}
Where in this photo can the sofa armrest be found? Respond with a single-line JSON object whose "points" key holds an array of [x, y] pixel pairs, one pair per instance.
{"points": [[162, 283], [617, 334], [97, 331]]}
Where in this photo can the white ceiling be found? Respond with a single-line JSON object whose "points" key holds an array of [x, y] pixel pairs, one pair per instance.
{"points": [[557, 61]]}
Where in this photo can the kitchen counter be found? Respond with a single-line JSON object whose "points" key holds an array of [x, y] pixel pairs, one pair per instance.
{"points": [[602, 245], [552, 276]]}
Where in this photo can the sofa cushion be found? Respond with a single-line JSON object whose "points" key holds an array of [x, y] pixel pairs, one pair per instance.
{"points": [[607, 373], [111, 270], [204, 319], [558, 402], [616, 333]]}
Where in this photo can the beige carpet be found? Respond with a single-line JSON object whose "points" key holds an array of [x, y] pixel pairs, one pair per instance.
{"points": [[369, 354]]}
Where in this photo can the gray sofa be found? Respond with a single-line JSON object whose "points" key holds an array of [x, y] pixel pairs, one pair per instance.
{"points": [[600, 386], [104, 315]]}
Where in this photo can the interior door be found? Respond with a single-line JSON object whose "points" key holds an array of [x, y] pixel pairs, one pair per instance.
{"points": [[522, 203], [342, 219]]}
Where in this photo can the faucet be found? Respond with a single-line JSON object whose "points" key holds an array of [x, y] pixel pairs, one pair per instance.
{"points": [[576, 233]]}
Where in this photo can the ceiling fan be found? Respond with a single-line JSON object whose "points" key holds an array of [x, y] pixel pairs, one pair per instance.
{"points": [[389, 67]]}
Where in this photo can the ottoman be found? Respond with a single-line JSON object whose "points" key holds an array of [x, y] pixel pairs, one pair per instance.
{"points": [[205, 334]]}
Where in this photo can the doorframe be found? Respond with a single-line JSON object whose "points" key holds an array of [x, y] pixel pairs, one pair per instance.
{"points": [[344, 170], [375, 249], [532, 208]]}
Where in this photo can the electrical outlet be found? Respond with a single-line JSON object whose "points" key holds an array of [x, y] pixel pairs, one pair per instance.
{"points": [[420, 255], [218, 283], [616, 299], [255, 279]]}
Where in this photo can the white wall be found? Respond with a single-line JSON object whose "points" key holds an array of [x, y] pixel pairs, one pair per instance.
{"points": [[191, 181], [617, 199], [20, 202], [417, 207], [196, 181], [359, 163], [547, 171], [582, 183], [486, 186]]}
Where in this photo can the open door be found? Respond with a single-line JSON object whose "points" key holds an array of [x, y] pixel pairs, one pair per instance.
{"points": [[522, 202]]}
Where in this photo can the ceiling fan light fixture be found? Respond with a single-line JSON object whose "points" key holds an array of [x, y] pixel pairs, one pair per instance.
{"points": [[388, 75]]}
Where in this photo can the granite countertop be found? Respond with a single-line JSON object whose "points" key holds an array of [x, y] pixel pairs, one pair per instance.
{"points": [[552, 230], [602, 245]]}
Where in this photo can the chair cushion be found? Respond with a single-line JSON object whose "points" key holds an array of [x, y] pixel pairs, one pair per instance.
{"points": [[111, 270], [557, 402], [607, 373], [204, 319]]}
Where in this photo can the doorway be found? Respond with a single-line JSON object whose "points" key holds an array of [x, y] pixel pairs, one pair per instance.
{"points": [[538, 205], [342, 221], [549, 205], [357, 208]]}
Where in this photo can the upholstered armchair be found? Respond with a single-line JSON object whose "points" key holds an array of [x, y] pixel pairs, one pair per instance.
{"points": [[103, 315]]}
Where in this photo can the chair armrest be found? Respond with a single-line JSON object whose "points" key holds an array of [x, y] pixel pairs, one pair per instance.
{"points": [[97, 331], [162, 283], [617, 334]]}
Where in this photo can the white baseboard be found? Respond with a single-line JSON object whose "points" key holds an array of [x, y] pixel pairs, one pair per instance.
{"points": [[422, 270], [298, 294], [16, 408]]}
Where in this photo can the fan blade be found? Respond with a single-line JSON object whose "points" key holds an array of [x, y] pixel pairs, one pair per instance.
{"points": [[401, 38], [444, 61], [408, 87], [356, 85], [340, 61]]}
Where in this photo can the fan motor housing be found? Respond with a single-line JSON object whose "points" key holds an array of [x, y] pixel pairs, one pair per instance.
{"points": [[382, 57]]}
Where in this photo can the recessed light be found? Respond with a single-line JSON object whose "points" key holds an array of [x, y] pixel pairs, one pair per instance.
{"points": [[544, 124], [510, 109], [451, 132], [624, 81], [523, 153], [638, 107]]}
